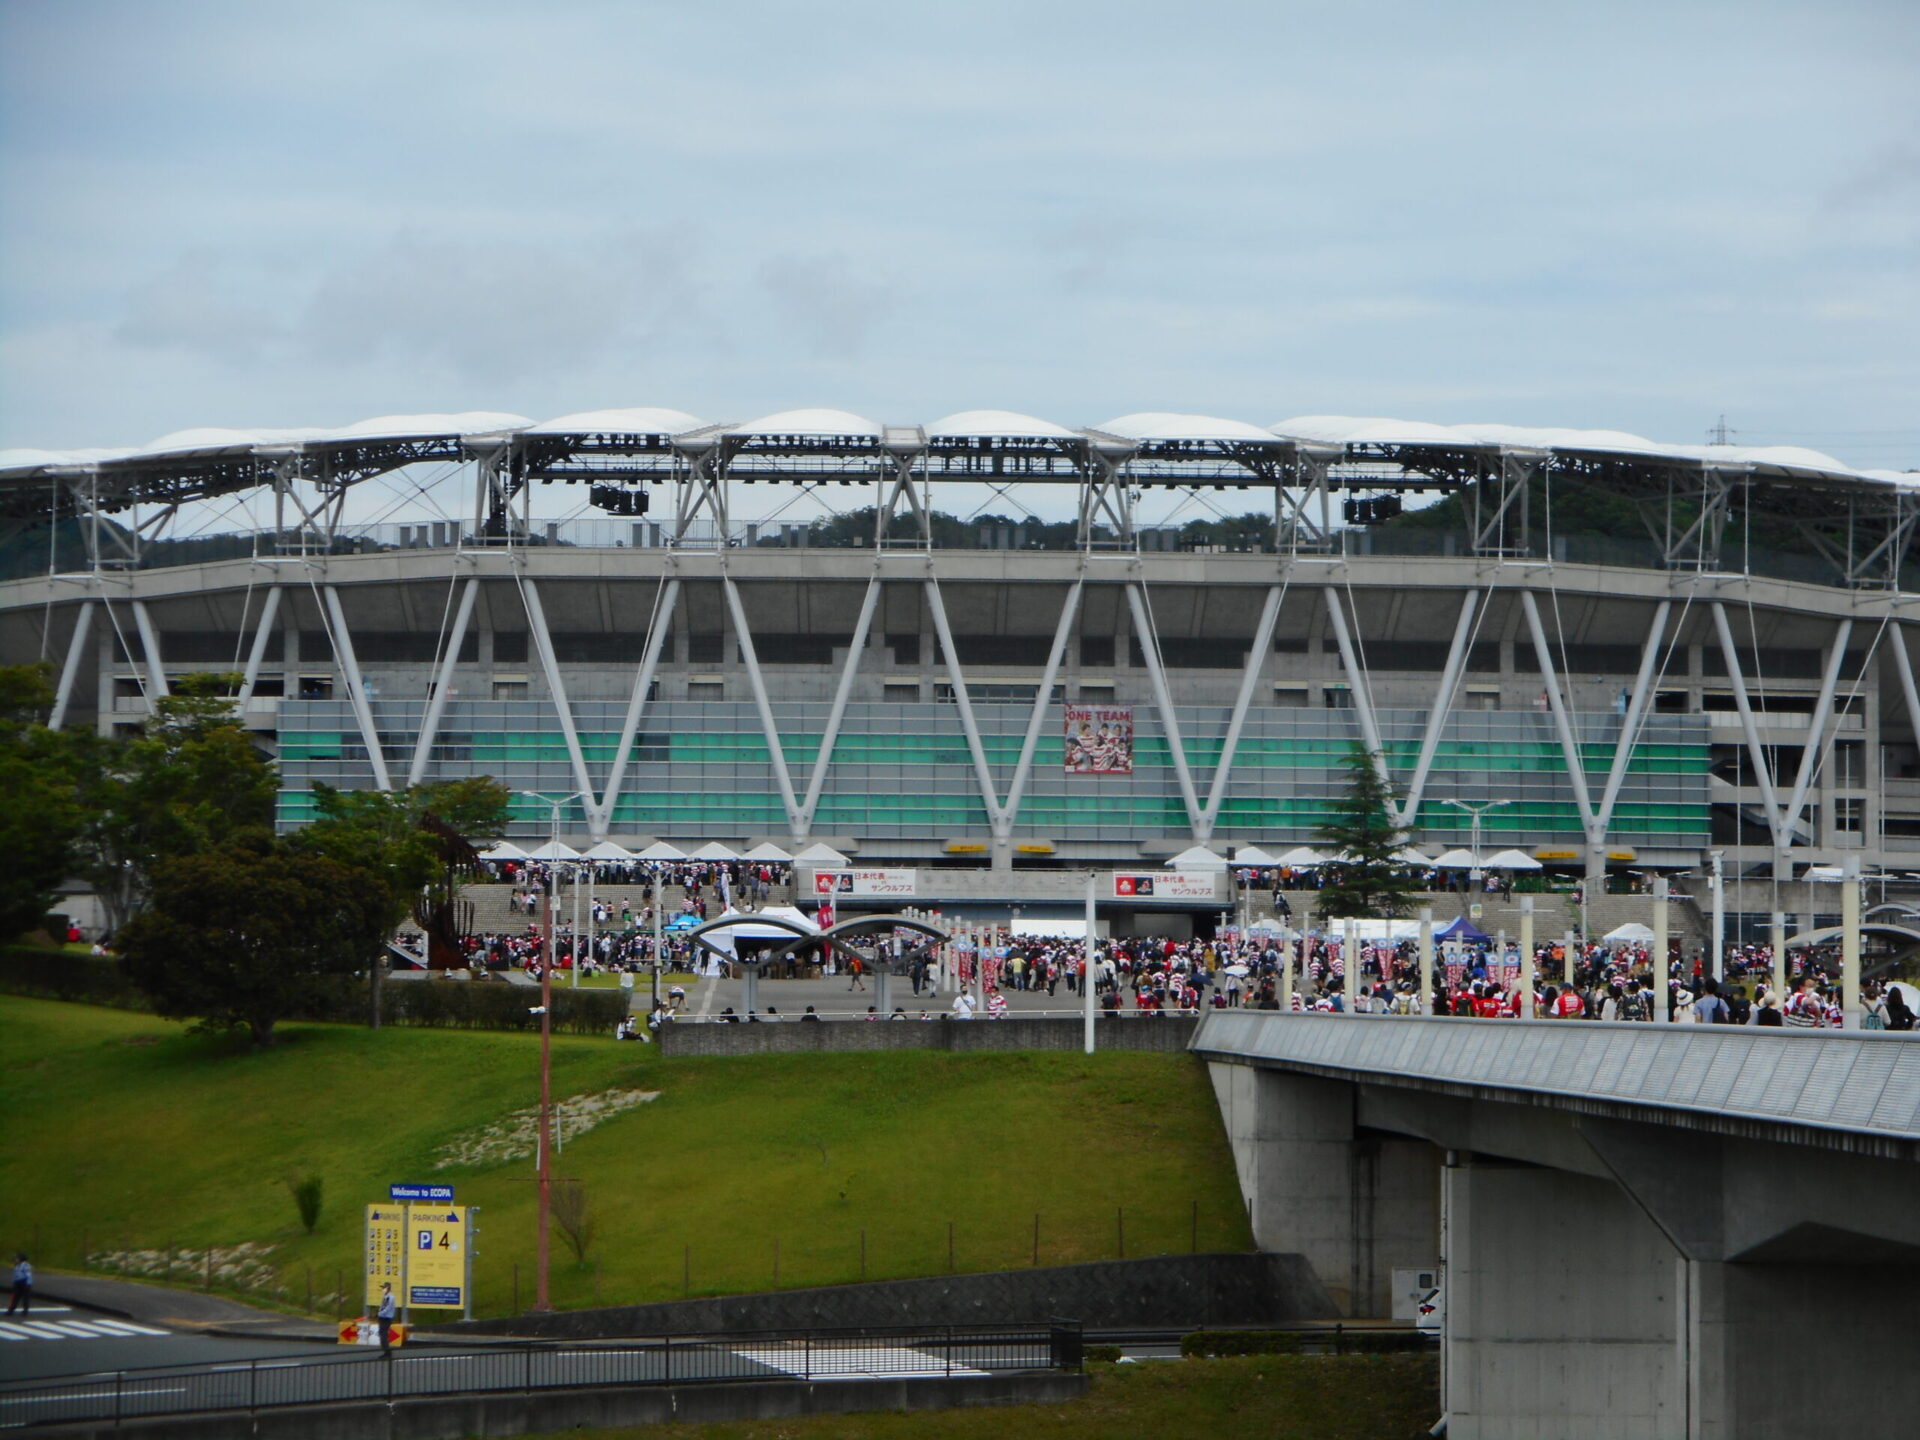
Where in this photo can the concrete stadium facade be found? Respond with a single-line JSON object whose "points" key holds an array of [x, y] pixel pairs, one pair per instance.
{"points": [[1629, 705]]}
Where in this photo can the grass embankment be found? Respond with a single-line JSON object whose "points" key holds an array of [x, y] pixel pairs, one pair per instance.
{"points": [[1276, 1397], [127, 1132]]}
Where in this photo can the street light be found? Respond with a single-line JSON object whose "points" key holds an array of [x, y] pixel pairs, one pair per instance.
{"points": [[544, 1170], [1476, 811]]}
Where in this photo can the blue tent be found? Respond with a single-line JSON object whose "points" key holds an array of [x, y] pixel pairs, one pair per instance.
{"points": [[1463, 929]]}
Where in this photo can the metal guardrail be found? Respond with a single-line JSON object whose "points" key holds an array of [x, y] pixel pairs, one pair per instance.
{"points": [[926, 1352]]}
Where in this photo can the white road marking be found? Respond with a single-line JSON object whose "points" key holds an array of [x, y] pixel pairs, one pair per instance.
{"points": [[74, 1330]]}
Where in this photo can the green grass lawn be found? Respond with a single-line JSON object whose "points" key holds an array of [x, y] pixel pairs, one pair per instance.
{"points": [[127, 1130], [1274, 1397]]}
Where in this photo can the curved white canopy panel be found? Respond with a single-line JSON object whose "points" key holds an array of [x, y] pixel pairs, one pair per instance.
{"points": [[842, 424], [997, 425], [714, 850], [210, 438], [1456, 860], [554, 850], [407, 427], [1511, 860], [637, 420], [768, 851], [608, 850], [1197, 858], [661, 850], [1166, 425], [821, 854], [503, 850], [29, 458], [1301, 857], [1617, 442], [1407, 855], [1355, 430]]}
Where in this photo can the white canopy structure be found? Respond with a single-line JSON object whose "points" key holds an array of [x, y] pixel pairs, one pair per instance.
{"points": [[1512, 860], [748, 929], [823, 855], [661, 850], [1301, 857], [608, 850], [554, 850], [1456, 860], [503, 850], [1197, 858], [1407, 855], [767, 850], [714, 850], [1253, 855], [1631, 933], [1054, 929]]}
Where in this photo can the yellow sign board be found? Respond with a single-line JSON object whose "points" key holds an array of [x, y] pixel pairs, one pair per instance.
{"points": [[386, 1251], [421, 1251], [437, 1255], [1544, 853]]}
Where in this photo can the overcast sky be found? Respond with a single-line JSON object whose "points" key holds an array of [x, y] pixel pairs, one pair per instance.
{"points": [[1626, 215]]}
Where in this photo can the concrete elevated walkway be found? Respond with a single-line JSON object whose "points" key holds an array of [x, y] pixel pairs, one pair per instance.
{"points": [[1645, 1231]]}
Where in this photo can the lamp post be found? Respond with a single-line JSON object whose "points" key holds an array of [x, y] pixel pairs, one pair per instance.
{"points": [[1476, 811], [543, 1171]]}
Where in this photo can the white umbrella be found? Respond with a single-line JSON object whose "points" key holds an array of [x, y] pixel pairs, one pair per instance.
{"points": [[820, 854], [714, 850], [554, 850], [1197, 858], [1238, 969], [607, 850], [1512, 860], [767, 850], [1302, 857], [1456, 860], [503, 850], [661, 850]]}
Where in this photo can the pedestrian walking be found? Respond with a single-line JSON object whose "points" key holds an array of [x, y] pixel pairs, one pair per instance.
{"points": [[385, 1319], [22, 1284]]}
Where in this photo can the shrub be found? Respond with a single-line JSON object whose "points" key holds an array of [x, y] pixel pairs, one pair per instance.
{"points": [[306, 1199], [62, 975]]}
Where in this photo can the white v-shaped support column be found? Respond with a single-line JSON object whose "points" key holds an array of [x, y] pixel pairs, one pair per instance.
{"points": [[70, 672], [1249, 682], [356, 687], [601, 819], [776, 756], [1814, 753], [262, 634], [1756, 752], [1149, 639], [556, 688], [1443, 698], [1632, 721], [1001, 817], [817, 780], [1550, 679], [1358, 687], [443, 682]]}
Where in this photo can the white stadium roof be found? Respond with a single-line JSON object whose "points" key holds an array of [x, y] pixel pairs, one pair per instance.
{"points": [[1142, 428]]}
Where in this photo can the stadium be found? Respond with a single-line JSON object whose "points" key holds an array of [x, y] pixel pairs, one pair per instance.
{"points": [[992, 641]]}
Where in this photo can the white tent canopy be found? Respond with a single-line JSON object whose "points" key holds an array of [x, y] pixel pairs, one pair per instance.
{"points": [[1512, 860], [1302, 857], [1197, 858], [503, 850], [767, 850], [821, 854], [714, 850], [1371, 929], [1407, 855], [1456, 860], [661, 850], [748, 929], [1054, 929], [608, 850], [1631, 933], [554, 850], [1253, 855]]}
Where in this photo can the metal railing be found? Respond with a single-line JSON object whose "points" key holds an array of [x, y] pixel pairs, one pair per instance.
{"points": [[923, 1352]]}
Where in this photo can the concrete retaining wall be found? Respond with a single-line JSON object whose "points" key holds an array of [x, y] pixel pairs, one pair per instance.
{"points": [[1165, 1291], [1163, 1033], [545, 1411]]}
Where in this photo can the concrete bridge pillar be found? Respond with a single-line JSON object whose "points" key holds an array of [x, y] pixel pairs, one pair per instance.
{"points": [[1357, 1203]]}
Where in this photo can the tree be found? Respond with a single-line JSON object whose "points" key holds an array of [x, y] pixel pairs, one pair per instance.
{"points": [[190, 782], [39, 817], [250, 933], [1367, 883]]}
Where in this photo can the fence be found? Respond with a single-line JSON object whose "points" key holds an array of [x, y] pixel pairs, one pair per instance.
{"points": [[922, 1352]]}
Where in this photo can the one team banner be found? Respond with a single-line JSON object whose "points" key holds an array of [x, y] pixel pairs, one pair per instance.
{"points": [[1099, 740]]}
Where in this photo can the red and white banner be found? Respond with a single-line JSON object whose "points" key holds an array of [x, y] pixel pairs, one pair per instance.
{"points": [[1099, 740], [856, 883], [1164, 885]]}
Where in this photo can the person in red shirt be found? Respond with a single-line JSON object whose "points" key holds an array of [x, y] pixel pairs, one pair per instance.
{"points": [[1568, 1005], [1486, 1004]]}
